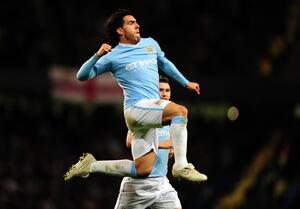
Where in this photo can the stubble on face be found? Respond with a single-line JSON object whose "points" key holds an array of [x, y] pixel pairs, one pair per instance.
{"points": [[131, 30]]}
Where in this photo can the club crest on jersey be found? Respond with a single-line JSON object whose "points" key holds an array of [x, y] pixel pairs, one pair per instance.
{"points": [[149, 49]]}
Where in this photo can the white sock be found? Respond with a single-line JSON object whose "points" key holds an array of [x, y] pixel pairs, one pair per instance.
{"points": [[178, 132], [112, 167]]}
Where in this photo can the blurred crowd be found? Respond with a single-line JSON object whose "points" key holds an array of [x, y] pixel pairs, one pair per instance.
{"points": [[200, 36]]}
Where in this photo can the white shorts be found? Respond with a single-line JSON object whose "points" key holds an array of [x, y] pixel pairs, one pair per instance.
{"points": [[142, 119], [156, 193]]}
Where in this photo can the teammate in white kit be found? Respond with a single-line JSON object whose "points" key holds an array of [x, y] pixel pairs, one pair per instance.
{"points": [[134, 62]]}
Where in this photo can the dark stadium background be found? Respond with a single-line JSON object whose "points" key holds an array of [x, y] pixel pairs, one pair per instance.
{"points": [[245, 54]]}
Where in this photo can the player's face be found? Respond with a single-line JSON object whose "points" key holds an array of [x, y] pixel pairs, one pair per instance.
{"points": [[130, 32], [165, 91]]}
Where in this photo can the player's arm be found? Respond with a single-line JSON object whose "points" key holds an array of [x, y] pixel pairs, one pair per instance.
{"points": [[170, 69], [128, 139], [167, 144], [92, 67], [104, 49]]}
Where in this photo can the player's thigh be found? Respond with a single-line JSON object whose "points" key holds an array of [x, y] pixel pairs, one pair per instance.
{"points": [[145, 114], [140, 146], [171, 110], [145, 163]]}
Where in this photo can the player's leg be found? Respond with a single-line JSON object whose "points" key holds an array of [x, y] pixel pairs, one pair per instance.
{"points": [[144, 152], [144, 164], [142, 119], [144, 146], [88, 164], [176, 115]]}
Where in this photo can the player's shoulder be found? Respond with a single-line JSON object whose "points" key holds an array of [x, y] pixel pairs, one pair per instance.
{"points": [[114, 52], [149, 40]]}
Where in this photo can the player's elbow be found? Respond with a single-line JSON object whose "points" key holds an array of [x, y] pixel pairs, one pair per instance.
{"points": [[128, 144], [80, 77]]}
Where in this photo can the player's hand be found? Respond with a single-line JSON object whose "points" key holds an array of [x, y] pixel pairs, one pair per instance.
{"points": [[171, 152], [104, 49], [193, 87]]}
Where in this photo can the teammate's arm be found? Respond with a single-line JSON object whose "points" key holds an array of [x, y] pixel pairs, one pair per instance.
{"points": [[128, 139], [167, 144]]}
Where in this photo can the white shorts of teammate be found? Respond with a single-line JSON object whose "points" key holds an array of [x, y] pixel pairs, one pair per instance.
{"points": [[142, 119], [155, 193]]}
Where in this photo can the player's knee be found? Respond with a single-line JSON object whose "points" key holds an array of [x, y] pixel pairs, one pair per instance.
{"points": [[143, 169], [144, 164], [181, 111]]}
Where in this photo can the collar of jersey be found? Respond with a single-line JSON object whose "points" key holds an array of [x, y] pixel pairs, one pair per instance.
{"points": [[130, 45]]}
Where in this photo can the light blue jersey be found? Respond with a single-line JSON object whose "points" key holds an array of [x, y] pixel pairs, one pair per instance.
{"points": [[136, 69], [160, 167]]}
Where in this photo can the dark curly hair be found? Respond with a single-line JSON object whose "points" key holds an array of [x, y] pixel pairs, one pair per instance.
{"points": [[163, 79], [114, 21]]}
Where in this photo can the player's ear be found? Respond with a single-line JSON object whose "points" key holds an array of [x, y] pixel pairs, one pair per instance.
{"points": [[120, 31]]}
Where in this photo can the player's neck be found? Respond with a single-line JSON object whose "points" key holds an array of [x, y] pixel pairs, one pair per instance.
{"points": [[128, 42]]}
